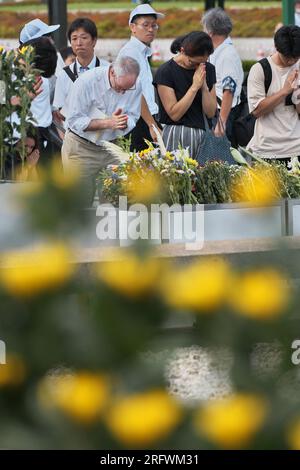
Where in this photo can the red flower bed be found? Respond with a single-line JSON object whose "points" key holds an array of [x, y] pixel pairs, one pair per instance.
{"points": [[247, 23]]}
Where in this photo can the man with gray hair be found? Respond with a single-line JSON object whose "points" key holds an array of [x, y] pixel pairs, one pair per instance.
{"points": [[229, 70], [104, 104]]}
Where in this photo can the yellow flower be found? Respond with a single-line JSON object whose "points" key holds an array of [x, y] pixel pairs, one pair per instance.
{"points": [[130, 275], [293, 435], [1, 49], [28, 273], [107, 182], [200, 286], [233, 422], [260, 294], [13, 372], [24, 49], [191, 161], [169, 156], [144, 152], [64, 179], [257, 185], [82, 396], [143, 187], [142, 419]]}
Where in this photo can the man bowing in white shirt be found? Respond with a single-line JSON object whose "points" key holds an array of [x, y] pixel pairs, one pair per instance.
{"points": [[105, 103]]}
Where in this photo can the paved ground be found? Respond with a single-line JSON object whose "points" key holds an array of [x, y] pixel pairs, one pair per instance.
{"points": [[195, 373]]}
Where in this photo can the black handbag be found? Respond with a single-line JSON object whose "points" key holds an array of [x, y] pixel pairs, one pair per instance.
{"points": [[214, 148], [243, 129]]}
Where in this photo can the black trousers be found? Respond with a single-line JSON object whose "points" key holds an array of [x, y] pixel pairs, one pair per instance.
{"points": [[138, 134], [49, 143]]}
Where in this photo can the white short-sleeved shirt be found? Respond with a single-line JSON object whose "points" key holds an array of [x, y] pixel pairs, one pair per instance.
{"points": [[92, 91], [64, 83], [40, 109], [229, 70], [276, 134], [141, 53]]}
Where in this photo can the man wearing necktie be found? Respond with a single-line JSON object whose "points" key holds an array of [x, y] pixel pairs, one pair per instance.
{"points": [[82, 35]]}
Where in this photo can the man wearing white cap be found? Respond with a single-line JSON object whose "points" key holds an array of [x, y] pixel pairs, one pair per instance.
{"points": [[143, 25], [35, 29]]}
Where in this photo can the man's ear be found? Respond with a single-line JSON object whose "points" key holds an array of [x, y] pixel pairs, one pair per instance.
{"points": [[132, 27]]}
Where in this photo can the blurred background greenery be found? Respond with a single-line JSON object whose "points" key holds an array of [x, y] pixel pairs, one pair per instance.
{"points": [[78, 333]]}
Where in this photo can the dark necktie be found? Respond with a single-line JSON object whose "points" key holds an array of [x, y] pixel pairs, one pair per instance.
{"points": [[83, 69]]}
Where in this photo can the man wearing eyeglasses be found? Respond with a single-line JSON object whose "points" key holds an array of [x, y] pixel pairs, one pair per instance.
{"points": [[143, 25], [104, 104]]}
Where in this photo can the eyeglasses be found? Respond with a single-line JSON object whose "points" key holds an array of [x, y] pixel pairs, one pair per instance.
{"points": [[132, 88], [153, 26]]}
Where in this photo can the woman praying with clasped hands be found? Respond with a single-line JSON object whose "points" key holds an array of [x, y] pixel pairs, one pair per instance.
{"points": [[186, 92]]}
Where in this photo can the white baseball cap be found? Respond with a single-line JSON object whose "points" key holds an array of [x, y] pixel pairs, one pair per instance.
{"points": [[144, 9], [35, 29]]}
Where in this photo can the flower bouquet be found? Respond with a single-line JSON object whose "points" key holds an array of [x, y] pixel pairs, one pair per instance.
{"points": [[151, 176]]}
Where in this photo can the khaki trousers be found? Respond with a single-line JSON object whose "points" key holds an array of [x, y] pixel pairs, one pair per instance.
{"points": [[88, 158]]}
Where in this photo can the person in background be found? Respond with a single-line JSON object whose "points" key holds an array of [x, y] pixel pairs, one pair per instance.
{"points": [[82, 35], [143, 25], [277, 127], [297, 12], [14, 167], [186, 91], [45, 61], [229, 70], [68, 55]]}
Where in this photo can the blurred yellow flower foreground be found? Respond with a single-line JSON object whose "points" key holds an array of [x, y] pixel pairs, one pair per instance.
{"points": [[258, 185], [28, 273], [143, 419], [199, 286], [293, 435], [81, 396], [130, 275], [233, 422], [260, 294], [13, 372]]}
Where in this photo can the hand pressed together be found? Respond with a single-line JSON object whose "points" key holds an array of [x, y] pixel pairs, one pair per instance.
{"points": [[119, 120]]}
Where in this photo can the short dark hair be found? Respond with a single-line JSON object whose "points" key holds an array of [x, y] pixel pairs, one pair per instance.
{"points": [[86, 24], [136, 17], [45, 55], [287, 41], [196, 43], [32, 133], [66, 52]]}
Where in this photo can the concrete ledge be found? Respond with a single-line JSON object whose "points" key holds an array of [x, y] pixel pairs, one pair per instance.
{"points": [[210, 248]]}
